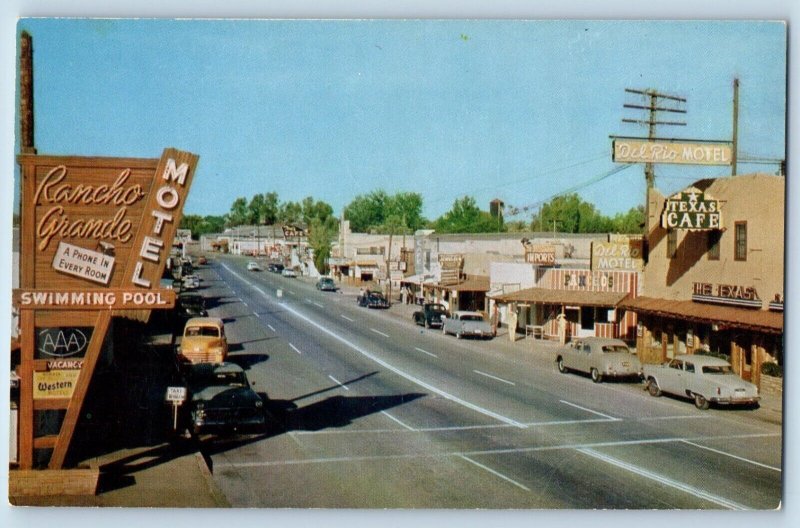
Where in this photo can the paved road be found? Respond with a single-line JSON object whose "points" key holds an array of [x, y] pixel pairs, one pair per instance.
{"points": [[376, 412]]}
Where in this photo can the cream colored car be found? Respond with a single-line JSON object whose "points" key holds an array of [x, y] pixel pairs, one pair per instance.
{"points": [[203, 341]]}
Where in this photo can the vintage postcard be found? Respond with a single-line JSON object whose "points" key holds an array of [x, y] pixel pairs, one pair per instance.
{"points": [[405, 264]]}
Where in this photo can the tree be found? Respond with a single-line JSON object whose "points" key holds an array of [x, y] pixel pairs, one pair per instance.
{"points": [[466, 217], [239, 213], [263, 208], [319, 239], [369, 212], [570, 214], [290, 213], [200, 225], [631, 222]]}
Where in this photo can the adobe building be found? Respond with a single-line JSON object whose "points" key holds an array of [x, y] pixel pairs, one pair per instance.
{"points": [[714, 278]]}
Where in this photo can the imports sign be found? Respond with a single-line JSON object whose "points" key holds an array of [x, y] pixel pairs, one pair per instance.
{"points": [[643, 151], [540, 254], [83, 263], [693, 210]]}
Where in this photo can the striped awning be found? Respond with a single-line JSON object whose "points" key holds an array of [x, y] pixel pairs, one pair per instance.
{"points": [[565, 297]]}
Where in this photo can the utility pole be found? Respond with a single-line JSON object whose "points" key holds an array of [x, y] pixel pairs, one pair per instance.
{"points": [[734, 154], [656, 102]]}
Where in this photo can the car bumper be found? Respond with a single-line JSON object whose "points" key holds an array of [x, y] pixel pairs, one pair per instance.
{"points": [[747, 400], [210, 425]]}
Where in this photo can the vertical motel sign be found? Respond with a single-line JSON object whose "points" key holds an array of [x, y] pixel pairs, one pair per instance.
{"points": [[95, 236]]}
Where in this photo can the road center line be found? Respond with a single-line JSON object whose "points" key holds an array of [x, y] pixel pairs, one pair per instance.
{"points": [[495, 473], [397, 421], [426, 352], [339, 383], [295, 348], [493, 377], [270, 327], [732, 456], [720, 501], [257, 314], [345, 317], [589, 410], [387, 366], [317, 304], [379, 332]]}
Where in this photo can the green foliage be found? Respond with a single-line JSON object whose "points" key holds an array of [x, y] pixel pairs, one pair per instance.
{"points": [[239, 213], [570, 214], [200, 225], [772, 369], [466, 217], [263, 209], [370, 212], [319, 239]]}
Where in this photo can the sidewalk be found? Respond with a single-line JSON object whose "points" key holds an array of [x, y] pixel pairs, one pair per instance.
{"points": [[159, 476]]}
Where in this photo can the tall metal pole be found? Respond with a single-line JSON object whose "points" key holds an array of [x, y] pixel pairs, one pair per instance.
{"points": [[734, 153], [26, 94]]}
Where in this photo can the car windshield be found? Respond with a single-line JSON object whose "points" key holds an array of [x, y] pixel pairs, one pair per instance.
{"points": [[717, 369], [206, 331], [615, 348], [471, 318], [438, 309], [376, 296], [217, 379], [327, 281]]}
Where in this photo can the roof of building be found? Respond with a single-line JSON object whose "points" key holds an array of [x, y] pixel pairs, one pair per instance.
{"points": [[473, 283], [570, 297], [757, 320]]}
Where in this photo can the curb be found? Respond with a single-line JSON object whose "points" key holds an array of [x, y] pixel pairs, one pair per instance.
{"points": [[220, 501]]}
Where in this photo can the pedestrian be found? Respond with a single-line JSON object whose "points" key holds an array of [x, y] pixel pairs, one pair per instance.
{"points": [[404, 295], [495, 317]]}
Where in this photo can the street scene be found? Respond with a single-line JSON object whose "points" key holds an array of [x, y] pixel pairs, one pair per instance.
{"points": [[399, 264]]}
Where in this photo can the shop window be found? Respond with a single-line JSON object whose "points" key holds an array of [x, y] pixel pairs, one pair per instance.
{"points": [[672, 243], [587, 318], [740, 250], [713, 244]]}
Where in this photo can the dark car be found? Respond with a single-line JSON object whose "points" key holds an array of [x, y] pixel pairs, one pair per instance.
{"points": [[188, 306], [373, 300], [275, 268], [221, 400], [430, 315], [326, 284]]}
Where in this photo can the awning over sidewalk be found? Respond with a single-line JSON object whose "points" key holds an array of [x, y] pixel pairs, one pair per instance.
{"points": [[756, 320], [417, 279], [473, 283], [565, 297]]}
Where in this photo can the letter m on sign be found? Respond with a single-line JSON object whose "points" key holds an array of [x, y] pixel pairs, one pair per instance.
{"points": [[178, 174]]}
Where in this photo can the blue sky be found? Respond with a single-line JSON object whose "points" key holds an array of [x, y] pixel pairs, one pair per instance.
{"points": [[513, 110]]}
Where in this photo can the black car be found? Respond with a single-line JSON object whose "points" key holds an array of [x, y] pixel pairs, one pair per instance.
{"points": [[221, 400], [326, 284], [373, 300], [189, 305], [430, 315], [275, 268]]}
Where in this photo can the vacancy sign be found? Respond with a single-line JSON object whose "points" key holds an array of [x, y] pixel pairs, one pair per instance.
{"points": [[83, 263]]}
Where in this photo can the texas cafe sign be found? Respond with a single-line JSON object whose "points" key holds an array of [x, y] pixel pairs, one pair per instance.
{"points": [[692, 210]]}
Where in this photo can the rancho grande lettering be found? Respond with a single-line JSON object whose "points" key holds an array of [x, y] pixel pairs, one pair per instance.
{"points": [[53, 190]]}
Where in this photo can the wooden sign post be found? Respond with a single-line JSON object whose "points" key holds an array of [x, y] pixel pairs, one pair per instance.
{"points": [[95, 237]]}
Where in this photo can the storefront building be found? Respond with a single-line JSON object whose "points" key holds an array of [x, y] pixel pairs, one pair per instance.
{"points": [[713, 282]]}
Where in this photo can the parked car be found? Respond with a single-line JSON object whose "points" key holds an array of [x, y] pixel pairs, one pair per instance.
{"points": [[372, 300], [253, 266], [430, 315], [326, 284], [203, 341], [705, 379], [275, 268], [222, 400], [289, 272], [188, 306], [191, 282], [202, 260], [462, 323], [599, 357]]}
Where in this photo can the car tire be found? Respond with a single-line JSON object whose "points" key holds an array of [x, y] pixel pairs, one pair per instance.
{"points": [[652, 388], [701, 402], [596, 376], [560, 364]]}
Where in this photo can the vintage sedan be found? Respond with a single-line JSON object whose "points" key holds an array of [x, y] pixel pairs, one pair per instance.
{"points": [[600, 358], [432, 314], [373, 300], [462, 323], [253, 266], [704, 379], [289, 272], [203, 341], [326, 284], [188, 306], [221, 400]]}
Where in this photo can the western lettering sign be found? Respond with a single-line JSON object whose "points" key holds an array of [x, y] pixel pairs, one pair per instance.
{"points": [[692, 210], [618, 254], [96, 234]]}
